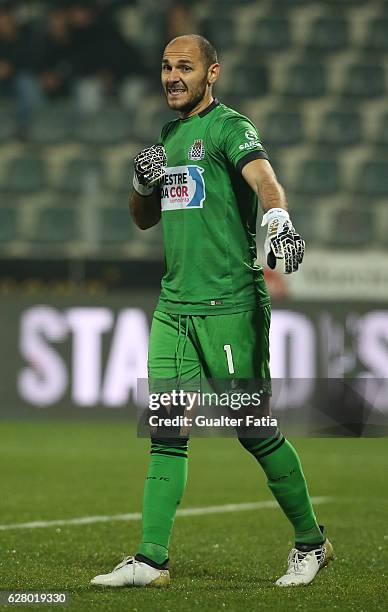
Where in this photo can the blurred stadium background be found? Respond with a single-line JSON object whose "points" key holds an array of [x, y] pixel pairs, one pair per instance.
{"points": [[79, 96]]}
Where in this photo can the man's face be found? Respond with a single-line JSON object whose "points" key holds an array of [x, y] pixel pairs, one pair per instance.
{"points": [[184, 75]]}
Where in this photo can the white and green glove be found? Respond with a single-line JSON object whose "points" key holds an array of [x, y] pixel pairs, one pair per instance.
{"points": [[150, 166], [282, 242]]}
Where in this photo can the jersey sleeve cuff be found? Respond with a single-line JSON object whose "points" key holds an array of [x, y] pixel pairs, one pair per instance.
{"points": [[243, 161]]}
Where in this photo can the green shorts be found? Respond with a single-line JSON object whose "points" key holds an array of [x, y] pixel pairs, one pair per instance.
{"points": [[185, 350]]}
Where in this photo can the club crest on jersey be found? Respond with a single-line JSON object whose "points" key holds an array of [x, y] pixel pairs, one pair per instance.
{"points": [[182, 187], [197, 150]]}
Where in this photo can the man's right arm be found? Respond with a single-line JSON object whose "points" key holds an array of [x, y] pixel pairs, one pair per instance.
{"points": [[144, 201], [145, 210]]}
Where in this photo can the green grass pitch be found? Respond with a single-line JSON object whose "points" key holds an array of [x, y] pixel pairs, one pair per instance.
{"points": [[63, 470]]}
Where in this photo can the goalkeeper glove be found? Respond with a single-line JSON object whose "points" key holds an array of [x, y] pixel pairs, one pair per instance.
{"points": [[150, 166], [282, 241]]}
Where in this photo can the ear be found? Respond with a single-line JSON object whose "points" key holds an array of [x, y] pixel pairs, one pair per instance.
{"points": [[213, 73]]}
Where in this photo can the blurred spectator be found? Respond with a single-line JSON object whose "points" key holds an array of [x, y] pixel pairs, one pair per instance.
{"points": [[86, 54], [71, 47], [19, 60], [85, 38], [122, 63], [120, 59], [56, 62], [8, 50], [180, 19], [102, 58]]}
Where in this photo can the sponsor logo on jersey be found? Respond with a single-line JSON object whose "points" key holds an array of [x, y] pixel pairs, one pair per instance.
{"points": [[253, 141], [253, 144], [197, 150], [251, 135], [182, 187]]}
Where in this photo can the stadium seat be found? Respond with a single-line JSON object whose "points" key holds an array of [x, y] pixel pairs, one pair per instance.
{"points": [[53, 125], [220, 29], [371, 178], [123, 181], [340, 128], [282, 128], [249, 81], [284, 5], [305, 222], [10, 200], [56, 226], [225, 4], [306, 80], [25, 174], [318, 176], [59, 199], [275, 163], [8, 225], [327, 35], [107, 127], [83, 175], [341, 5], [376, 39], [8, 126], [384, 237], [269, 34], [119, 197], [116, 227], [381, 137], [350, 227], [147, 126], [363, 81], [301, 201]]}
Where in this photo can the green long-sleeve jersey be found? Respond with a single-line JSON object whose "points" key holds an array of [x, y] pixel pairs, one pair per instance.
{"points": [[209, 215]]}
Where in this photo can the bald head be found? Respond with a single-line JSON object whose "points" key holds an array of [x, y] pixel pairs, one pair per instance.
{"points": [[208, 52], [189, 71]]}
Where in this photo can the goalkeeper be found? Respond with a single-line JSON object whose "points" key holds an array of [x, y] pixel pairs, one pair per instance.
{"points": [[204, 181]]}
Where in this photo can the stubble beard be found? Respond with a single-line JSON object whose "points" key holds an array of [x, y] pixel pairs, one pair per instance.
{"points": [[194, 99]]}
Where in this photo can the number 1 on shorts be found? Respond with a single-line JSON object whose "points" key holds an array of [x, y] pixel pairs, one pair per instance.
{"points": [[228, 351]]}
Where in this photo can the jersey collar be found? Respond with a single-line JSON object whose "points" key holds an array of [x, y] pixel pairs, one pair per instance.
{"points": [[209, 108], [204, 112]]}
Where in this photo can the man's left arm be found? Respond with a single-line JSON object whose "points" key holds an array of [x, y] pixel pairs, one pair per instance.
{"points": [[282, 241], [240, 143], [261, 177]]}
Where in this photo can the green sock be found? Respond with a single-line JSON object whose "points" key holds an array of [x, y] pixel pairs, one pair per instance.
{"points": [[283, 469], [163, 490]]}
